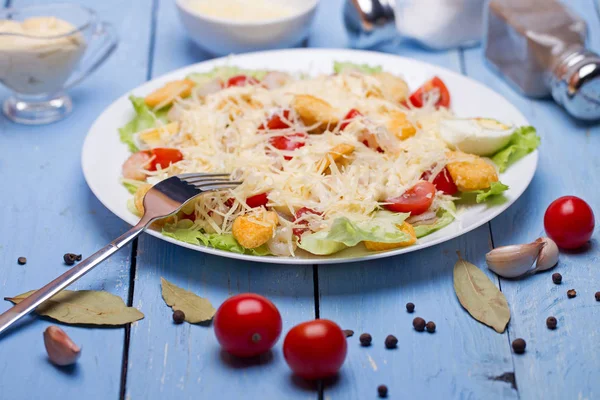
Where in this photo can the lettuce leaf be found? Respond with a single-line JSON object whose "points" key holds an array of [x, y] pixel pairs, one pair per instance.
{"points": [[184, 231], [339, 67], [523, 141], [224, 73], [444, 219], [145, 118], [495, 189], [383, 227], [131, 185]]}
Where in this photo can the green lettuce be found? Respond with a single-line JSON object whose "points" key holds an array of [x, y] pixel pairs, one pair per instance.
{"points": [[224, 73], [339, 67], [144, 118], [131, 185], [184, 231], [383, 227], [523, 141], [444, 219], [495, 189]]}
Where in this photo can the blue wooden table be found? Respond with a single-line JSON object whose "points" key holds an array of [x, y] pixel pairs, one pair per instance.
{"points": [[46, 210]]}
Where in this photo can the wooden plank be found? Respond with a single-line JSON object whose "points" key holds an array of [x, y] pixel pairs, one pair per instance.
{"points": [[564, 362], [184, 361], [48, 210], [463, 359]]}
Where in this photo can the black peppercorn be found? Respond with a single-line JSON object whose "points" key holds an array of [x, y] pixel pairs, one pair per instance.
{"points": [[419, 324], [571, 293], [430, 327], [22, 260], [410, 307], [348, 332], [597, 296], [557, 278], [382, 391], [79, 257], [70, 258], [178, 316], [391, 342], [519, 346], [551, 322], [365, 339]]}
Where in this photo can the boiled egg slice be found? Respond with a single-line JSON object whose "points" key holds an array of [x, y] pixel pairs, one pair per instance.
{"points": [[480, 136]]}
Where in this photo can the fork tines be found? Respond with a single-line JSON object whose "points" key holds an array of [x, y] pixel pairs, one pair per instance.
{"points": [[209, 182]]}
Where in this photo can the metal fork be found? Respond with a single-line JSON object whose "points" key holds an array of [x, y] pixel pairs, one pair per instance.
{"points": [[163, 199]]}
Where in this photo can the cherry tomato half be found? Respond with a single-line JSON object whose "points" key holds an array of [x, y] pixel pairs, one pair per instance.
{"points": [[241, 80], [415, 200], [277, 122], [569, 221], [349, 117], [299, 214], [315, 349], [165, 157], [257, 200], [289, 142], [247, 325], [442, 181], [418, 97]]}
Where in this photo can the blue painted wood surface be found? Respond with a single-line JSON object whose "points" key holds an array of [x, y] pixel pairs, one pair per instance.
{"points": [[159, 360]]}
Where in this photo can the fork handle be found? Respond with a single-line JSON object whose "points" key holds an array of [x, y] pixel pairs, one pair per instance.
{"points": [[26, 306]]}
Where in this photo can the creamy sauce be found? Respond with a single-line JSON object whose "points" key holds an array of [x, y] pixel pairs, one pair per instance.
{"points": [[241, 10], [41, 62]]}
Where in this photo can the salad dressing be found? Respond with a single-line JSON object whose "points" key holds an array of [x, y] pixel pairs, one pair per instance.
{"points": [[242, 10]]}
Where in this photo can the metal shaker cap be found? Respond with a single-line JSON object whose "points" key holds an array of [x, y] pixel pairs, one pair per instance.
{"points": [[368, 15], [575, 85]]}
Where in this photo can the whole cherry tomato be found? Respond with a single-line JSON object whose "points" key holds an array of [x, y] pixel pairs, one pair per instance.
{"points": [[349, 117], [569, 221], [247, 325], [442, 181], [415, 200], [241, 80], [257, 200], [431, 86], [315, 349]]}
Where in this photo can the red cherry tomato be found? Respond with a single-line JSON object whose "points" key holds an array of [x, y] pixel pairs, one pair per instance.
{"points": [[569, 221], [247, 325], [315, 349], [288, 142], [241, 80], [165, 157], [417, 98], [415, 200], [277, 122], [304, 210], [257, 200], [349, 117], [442, 181]]}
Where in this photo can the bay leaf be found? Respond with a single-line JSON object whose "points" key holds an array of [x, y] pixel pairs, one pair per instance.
{"points": [[85, 307], [479, 296], [196, 309]]}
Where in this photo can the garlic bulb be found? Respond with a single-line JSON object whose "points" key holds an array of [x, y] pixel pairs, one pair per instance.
{"points": [[517, 260]]}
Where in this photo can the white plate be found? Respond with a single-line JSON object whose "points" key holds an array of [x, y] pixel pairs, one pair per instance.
{"points": [[103, 153]]}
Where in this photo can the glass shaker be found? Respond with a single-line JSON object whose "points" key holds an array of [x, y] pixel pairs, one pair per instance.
{"points": [[538, 46], [435, 24], [45, 50]]}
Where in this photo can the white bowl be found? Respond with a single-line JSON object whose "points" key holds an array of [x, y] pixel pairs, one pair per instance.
{"points": [[222, 36]]}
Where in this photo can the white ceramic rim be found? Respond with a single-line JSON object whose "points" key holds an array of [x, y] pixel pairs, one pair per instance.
{"points": [[301, 11], [97, 130]]}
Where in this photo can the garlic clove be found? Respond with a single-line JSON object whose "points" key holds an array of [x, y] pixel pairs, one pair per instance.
{"points": [[59, 346], [548, 257], [515, 260]]}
